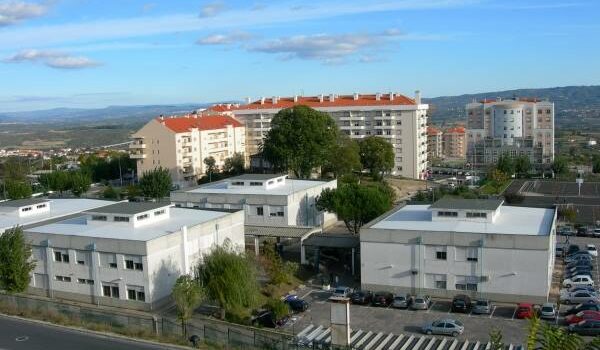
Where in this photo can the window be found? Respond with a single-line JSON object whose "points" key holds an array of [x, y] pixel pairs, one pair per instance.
{"points": [[238, 183], [448, 213], [129, 264], [259, 211], [82, 258], [476, 215], [468, 283], [159, 212], [255, 183], [136, 293], [440, 255], [99, 217], [60, 256], [110, 291], [108, 260], [142, 217], [63, 278], [138, 266], [41, 206], [472, 254], [85, 281], [121, 219], [26, 209]]}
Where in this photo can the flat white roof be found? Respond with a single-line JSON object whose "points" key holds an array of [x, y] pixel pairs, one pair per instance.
{"points": [[58, 208], [510, 220], [291, 186], [179, 217]]}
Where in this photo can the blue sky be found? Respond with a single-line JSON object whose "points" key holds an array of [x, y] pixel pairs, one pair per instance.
{"points": [[92, 53]]}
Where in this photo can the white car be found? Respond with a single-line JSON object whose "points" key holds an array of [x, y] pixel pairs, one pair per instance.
{"points": [[592, 250], [579, 280]]}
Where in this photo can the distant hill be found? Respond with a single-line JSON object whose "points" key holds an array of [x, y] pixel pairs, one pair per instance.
{"points": [[576, 106]]}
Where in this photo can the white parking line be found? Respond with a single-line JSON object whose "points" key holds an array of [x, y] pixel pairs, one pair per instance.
{"points": [[307, 294], [492, 313], [514, 313], [430, 307]]}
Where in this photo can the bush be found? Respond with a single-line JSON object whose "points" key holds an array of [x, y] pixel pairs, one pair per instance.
{"points": [[278, 308]]}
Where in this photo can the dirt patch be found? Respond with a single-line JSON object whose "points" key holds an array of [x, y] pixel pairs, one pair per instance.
{"points": [[405, 188]]}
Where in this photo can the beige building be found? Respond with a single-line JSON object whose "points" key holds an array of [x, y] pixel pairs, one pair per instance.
{"points": [[181, 144], [517, 126], [434, 143], [455, 143], [397, 118]]}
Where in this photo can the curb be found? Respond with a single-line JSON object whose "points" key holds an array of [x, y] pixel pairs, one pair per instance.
{"points": [[97, 333]]}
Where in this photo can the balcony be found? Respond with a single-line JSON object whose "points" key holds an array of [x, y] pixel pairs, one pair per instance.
{"points": [[137, 145], [137, 155]]}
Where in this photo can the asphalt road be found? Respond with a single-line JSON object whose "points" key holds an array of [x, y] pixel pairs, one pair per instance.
{"points": [[19, 334]]}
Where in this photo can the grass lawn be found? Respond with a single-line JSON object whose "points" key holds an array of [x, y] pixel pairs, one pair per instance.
{"points": [[493, 187]]}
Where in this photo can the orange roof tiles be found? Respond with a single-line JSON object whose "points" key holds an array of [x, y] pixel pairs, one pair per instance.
{"points": [[433, 131], [201, 122], [456, 130], [338, 101]]}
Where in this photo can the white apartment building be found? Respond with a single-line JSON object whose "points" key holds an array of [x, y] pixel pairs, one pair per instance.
{"points": [[181, 144], [267, 199], [458, 246], [397, 118], [515, 127], [126, 254]]}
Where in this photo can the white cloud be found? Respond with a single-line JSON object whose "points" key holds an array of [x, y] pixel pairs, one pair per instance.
{"points": [[224, 39], [12, 12], [212, 9], [53, 59]]}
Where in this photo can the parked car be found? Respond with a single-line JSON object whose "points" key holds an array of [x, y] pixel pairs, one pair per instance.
{"points": [[420, 302], [578, 297], [361, 297], [583, 271], [579, 280], [267, 319], [578, 288], [548, 311], [444, 327], [461, 303], [583, 315], [482, 306], [578, 252], [401, 301], [581, 232], [382, 299], [559, 252], [591, 248], [586, 327], [579, 257], [572, 249], [296, 304], [582, 307], [596, 232], [342, 292], [525, 310], [565, 231], [580, 264]]}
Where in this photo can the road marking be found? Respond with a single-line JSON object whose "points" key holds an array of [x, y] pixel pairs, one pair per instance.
{"points": [[493, 310], [514, 313], [307, 294], [22, 338], [430, 307]]}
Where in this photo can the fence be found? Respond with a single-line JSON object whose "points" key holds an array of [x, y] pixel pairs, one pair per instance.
{"points": [[151, 326]]}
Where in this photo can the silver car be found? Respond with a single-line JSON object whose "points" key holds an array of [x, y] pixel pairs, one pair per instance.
{"points": [[482, 306], [444, 327], [579, 297], [342, 292], [420, 302], [548, 311], [401, 301]]}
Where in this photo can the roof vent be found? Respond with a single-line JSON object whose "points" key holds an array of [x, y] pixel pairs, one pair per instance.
{"points": [[295, 98], [321, 98], [355, 96], [275, 100], [391, 96], [331, 97], [377, 96], [262, 100], [418, 97]]}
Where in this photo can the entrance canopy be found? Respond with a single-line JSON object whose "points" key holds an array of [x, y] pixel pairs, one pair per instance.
{"points": [[280, 232], [333, 241]]}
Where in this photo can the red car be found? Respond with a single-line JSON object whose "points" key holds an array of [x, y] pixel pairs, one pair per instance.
{"points": [[583, 315], [525, 310]]}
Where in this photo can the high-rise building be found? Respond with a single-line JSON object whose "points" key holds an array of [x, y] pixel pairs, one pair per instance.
{"points": [[394, 117], [180, 144], [455, 143], [434, 142], [513, 127]]}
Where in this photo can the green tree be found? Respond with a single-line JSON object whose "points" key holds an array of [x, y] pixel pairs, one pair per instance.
{"points": [[301, 139], [596, 164], [80, 182], [567, 214], [110, 193], [496, 339], [376, 155], [234, 165], [133, 191], [356, 204], [522, 164], [14, 168], [211, 167], [15, 261], [278, 270], [560, 165], [229, 278], [497, 175], [58, 181], [344, 159], [506, 164], [17, 189], [188, 294], [156, 183]]}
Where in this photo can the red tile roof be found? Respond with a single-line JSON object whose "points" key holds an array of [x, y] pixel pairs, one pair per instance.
{"points": [[201, 122], [432, 131], [456, 130], [338, 101]]}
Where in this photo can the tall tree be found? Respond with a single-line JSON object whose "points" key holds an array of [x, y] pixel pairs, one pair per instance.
{"points": [[80, 182], [17, 189], [110, 193], [344, 159], [506, 165], [560, 165], [229, 278], [156, 183], [234, 165], [596, 164], [522, 164], [300, 140], [376, 155], [188, 294], [58, 181], [15, 261], [356, 204]]}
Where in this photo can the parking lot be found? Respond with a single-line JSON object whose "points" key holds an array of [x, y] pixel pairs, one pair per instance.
{"points": [[477, 327]]}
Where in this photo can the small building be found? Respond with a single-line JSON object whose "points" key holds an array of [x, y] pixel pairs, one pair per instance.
{"points": [[127, 254], [267, 199], [457, 246], [455, 143]]}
